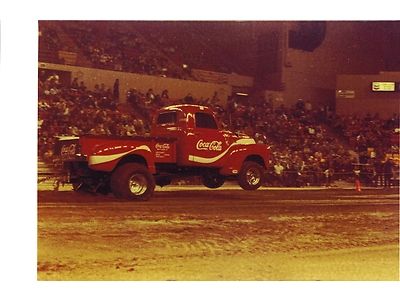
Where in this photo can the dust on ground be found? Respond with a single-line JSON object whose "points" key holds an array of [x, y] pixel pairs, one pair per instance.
{"points": [[220, 235]]}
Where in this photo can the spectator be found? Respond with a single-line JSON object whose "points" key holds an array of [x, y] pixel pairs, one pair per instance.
{"points": [[116, 90], [328, 176], [150, 97], [357, 173], [278, 169], [379, 174], [300, 105], [188, 99], [215, 99], [74, 83], [164, 95], [388, 172]]}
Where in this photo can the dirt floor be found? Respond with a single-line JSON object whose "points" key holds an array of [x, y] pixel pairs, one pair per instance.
{"points": [[228, 234]]}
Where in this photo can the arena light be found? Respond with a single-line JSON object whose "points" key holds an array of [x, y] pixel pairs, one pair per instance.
{"points": [[242, 94]]}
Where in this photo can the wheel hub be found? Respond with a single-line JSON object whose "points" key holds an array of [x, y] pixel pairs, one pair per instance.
{"points": [[253, 176], [138, 184]]}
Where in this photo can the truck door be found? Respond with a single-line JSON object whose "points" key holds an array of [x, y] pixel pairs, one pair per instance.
{"points": [[207, 145]]}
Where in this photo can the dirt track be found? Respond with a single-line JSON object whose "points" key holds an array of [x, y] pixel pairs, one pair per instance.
{"points": [[220, 235]]}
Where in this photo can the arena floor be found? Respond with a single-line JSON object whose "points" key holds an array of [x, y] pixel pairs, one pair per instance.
{"points": [[192, 233]]}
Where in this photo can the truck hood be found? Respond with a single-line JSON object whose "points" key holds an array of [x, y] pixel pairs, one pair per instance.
{"points": [[236, 135]]}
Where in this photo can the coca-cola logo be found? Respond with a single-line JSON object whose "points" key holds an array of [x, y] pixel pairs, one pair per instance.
{"points": [[67, 150], [162, 147], [213, 146]]}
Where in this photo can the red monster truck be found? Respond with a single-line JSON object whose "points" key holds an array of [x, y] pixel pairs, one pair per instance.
{"points": [[185, 140]]}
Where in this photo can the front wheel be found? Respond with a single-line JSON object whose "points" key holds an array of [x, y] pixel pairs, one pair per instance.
{"points": [[133, 182], [251, 175]]}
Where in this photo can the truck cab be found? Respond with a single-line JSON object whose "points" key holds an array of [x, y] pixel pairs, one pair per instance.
{"points": [[195, 129], [200, 139]]}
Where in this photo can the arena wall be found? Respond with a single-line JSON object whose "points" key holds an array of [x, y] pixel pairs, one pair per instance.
{"points": [[311, 75], [177, 88], [354, 95]]}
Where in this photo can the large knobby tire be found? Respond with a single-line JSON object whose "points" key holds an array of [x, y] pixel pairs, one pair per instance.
{"points": [[251, 176], [132, 181], [213, 181]]}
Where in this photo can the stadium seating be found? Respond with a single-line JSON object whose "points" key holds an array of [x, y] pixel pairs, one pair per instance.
{"points": [[154, 48], [310, 144]]}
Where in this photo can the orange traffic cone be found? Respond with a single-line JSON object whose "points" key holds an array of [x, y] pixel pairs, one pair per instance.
{"points": [[358, 185]]}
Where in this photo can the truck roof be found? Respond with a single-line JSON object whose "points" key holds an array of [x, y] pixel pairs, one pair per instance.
{"points": [[187, 108]]}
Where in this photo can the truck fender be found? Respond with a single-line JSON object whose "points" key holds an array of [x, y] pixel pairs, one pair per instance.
{"points": [[106, 161], [237, 157]]}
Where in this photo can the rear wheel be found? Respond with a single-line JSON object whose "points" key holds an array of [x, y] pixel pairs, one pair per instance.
{"points": [[251, 175], [132, 181], [213, 181]]}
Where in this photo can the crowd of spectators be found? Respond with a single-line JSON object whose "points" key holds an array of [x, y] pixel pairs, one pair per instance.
{"points": [[306, 150], [376, 141], [112, 47], [367, 133], [309, 146], [48, 38], [75, 110], [315, 147], [188, 44], [147, 103], [139, 47], [49, 44]]}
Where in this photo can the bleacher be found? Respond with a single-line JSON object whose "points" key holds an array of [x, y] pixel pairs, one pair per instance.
{"points": [[297, 136], [154, 48]]}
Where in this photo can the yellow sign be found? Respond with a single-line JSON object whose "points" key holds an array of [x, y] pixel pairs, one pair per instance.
{"points": [[383, 86]]}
